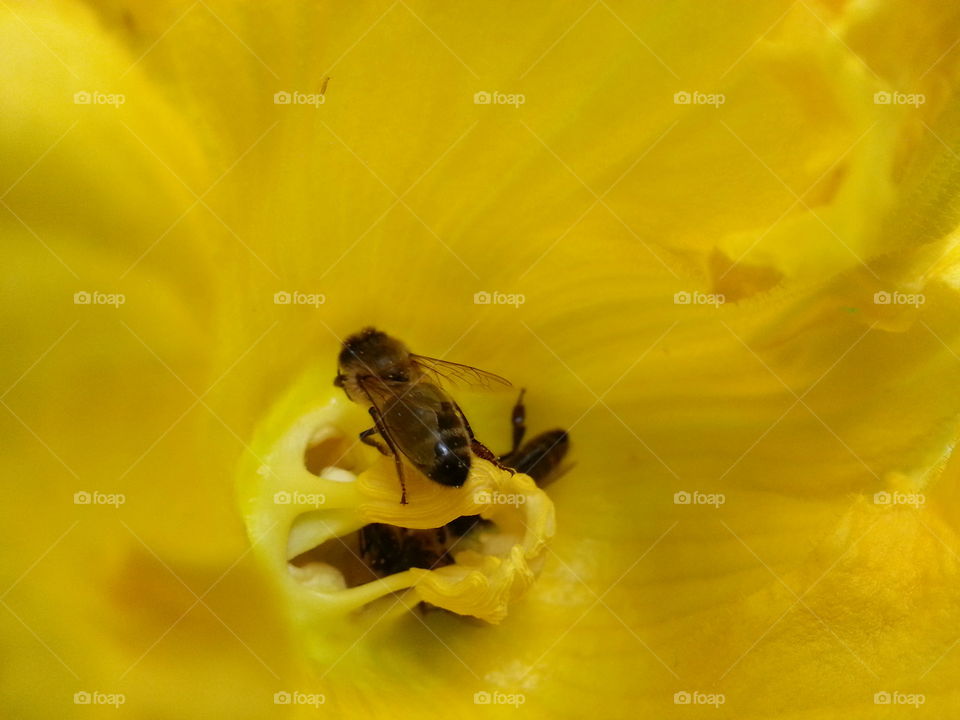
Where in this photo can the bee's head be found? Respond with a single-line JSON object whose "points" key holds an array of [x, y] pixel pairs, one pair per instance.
{"points": [[371, 352]]}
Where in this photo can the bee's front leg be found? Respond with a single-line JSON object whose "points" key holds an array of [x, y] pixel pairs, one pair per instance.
{"points": [[382, 430], [478, 448], [366, 439]]}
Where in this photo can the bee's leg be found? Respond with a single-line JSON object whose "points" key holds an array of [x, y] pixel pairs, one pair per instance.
{"points": [[482, 451], [518, 419], [367, 440], [381, 429], [478, 448]]}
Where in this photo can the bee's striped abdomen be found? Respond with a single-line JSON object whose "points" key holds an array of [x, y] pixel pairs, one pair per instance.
{"points": [[452, 449]]}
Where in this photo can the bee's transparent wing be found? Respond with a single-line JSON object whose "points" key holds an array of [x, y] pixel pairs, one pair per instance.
{"points": [[380, 396], [404, 412], [444, 371]]}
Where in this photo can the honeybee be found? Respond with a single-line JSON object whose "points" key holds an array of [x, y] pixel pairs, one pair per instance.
{"points": [[539, 457], [411, 412], [390, 549]]}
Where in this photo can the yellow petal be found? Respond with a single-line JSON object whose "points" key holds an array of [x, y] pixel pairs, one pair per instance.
{"points": [[799, 198]]}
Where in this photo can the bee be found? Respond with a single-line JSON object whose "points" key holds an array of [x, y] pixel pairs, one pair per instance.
{"points": [[412, 414], [540, 456], [391, 549]]}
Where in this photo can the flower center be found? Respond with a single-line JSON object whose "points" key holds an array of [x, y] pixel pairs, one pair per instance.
{"points": [[323, 512]]}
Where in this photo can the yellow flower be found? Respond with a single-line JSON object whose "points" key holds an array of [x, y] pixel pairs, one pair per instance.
{"points": [[719, 242]]}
